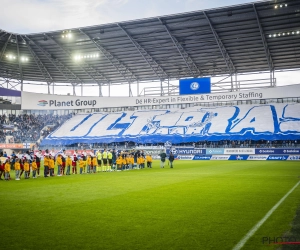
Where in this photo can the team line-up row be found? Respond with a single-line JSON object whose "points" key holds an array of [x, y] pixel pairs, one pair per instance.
{"points": [[86, 163]]}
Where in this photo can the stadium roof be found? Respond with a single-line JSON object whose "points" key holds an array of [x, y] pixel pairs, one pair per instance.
{"points": [[253, 37]]}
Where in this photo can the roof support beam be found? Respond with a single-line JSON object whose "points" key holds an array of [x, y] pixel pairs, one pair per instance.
{"points": [[20, 63], [4, 47], [119, 66], [227, 59], [3, 35], [194, 70], [156, 68], [67, 73], [265, 44], [97, 76], [48, 78], [9, 74]]}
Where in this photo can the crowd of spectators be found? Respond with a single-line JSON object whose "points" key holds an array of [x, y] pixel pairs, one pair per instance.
{"points": [[199, 144], [26, 128]]}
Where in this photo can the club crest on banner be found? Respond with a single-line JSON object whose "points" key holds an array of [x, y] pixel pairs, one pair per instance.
{"points": [[194, 86]]}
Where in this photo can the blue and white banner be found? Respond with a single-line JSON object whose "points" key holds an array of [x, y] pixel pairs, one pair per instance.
{"points": [[294, 158], [257, 157], [184, 157], [202, 157], [277, 157], [194, 86], [238, 157], [215, 151], [246, 157], [220, 157], [277, 151], [243, 151], [186, 151], [245, 122]]}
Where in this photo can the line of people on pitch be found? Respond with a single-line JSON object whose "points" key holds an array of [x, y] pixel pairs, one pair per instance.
{"points": [[90, 164], [20, 167]]}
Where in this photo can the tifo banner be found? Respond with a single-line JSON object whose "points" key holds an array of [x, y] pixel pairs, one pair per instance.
{"points": [[245, 122], [54, 102], [194, 86]]}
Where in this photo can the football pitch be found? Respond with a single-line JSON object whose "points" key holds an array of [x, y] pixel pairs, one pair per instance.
{"points": [[195, 205]]}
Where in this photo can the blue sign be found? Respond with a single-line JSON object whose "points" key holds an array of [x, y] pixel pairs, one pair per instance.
{"points": [[194, 86], [238, 157], [277, 157], [186, 151], [202, 157], [215, 151], [278, 151]]}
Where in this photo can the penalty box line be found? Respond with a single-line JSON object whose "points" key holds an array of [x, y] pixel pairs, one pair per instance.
{"points": [[253, 230]]}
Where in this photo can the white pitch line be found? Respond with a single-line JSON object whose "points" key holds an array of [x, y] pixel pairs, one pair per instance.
{"points": [[242, 242]]}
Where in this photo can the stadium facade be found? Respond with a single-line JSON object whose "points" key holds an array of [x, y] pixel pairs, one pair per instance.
{"points": [[225, 44]]}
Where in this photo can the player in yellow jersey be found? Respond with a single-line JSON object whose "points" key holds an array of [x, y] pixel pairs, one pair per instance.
{"points": [[26, 169], [149, 161], [68, 164], [104, 158], [88, 163], [51, 165], [34, 168], [7, 170], [81, 165], [17, 169], [119, 162], [99, 160], [46, 165], [94, 164], [59, 164]]}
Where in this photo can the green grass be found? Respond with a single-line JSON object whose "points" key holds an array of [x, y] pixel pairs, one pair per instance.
{"points": [[196, 205]]}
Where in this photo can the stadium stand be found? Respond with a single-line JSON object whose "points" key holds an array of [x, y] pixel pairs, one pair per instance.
{"points": [[29, 128]]}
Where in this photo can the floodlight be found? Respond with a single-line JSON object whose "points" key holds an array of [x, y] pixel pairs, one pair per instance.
{"points": [[276, 6], [285, 5], [298, 32], [280, 5]]}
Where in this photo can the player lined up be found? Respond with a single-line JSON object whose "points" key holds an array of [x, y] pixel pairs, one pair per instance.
{"points": [[104, 161]]}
